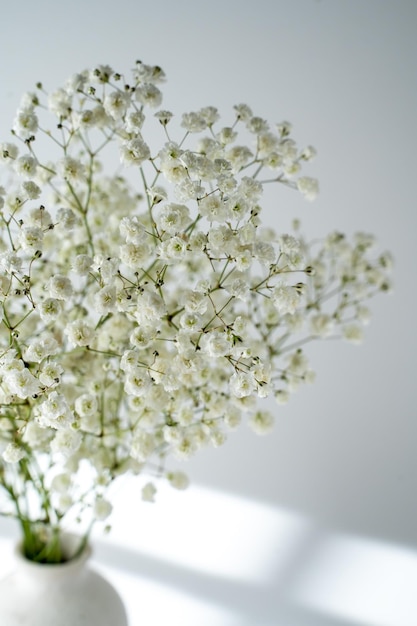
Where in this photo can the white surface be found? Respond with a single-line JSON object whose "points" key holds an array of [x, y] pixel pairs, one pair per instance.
{"points": [[342, 460], [172, 563]]}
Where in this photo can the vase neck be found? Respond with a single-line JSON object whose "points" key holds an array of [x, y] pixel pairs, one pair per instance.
{"points": [[53, 571]]}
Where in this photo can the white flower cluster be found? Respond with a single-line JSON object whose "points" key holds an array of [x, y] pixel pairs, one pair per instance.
{"points": [[140, 322]]}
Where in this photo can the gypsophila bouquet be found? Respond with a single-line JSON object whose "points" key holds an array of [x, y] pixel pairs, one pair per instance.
{"points": [[145, 311]]}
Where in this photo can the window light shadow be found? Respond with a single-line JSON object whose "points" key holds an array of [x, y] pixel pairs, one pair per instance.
{"points": [[156, 591], [366, 581], [213, 559], [211, 532]]}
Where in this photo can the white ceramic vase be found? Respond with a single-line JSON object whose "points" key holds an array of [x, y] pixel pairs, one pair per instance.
{"points": [[67, 594]]}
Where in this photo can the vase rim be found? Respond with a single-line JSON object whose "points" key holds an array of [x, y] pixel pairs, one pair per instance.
{"points": [[70, 544]]}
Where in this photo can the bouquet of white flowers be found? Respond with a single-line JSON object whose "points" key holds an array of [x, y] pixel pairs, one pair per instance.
{"points": [[145, 312]]}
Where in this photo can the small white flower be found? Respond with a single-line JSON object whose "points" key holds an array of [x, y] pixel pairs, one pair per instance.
{"points": [[308, 154], [66, 442], [76, 82], [188, 189], [222, 238], [244, 260], [321, 325], [291, 168], [50, 309], [54, 412], [148, 492], [239, 288], [239, 156], [257, 125], [25, 166], [61, 482], [142, 336], [26, 123], [36, 437], [60, 103], [298, 363], [142, 447], [363, 314], [134, 255], [134, 121], [129, 360], [178, 480], [264, 252], [281, 396], [250, 189], [8, 151], [243, 112], [267, 144], [174, 171], [156, 195], [150, 309], [64, 503], [196, 301], [261, 422], [291, 247], [164, 117], [285, 298], [86, 404], [216, 344], [238, 207], [226, 135], [172, 249], [105, 300], [137, 382], [353, 333], [60, 287], [30, 190], [10, 262], [50, 373], [193, 122], [289, 151], [149, 95], [82, 264], [217, 437], [134, 152], [309, 187], [102, 509], [39, 349], [132, 230], [242, 384], [31, 238], [116, 103], [13, 453], [108, 269], [101, 74], [71, 169], [213, 208], [144, 73], [67, 219], [173, 218], [232, 418], [22, 383], [185, 448], [190, 322], [210, 114], [80, 333]]}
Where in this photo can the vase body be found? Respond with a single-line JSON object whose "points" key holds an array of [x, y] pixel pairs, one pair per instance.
{"points": [[68, 594]]}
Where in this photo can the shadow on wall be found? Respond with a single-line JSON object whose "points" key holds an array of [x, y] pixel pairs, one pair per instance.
{"points": [[219, 560]]}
